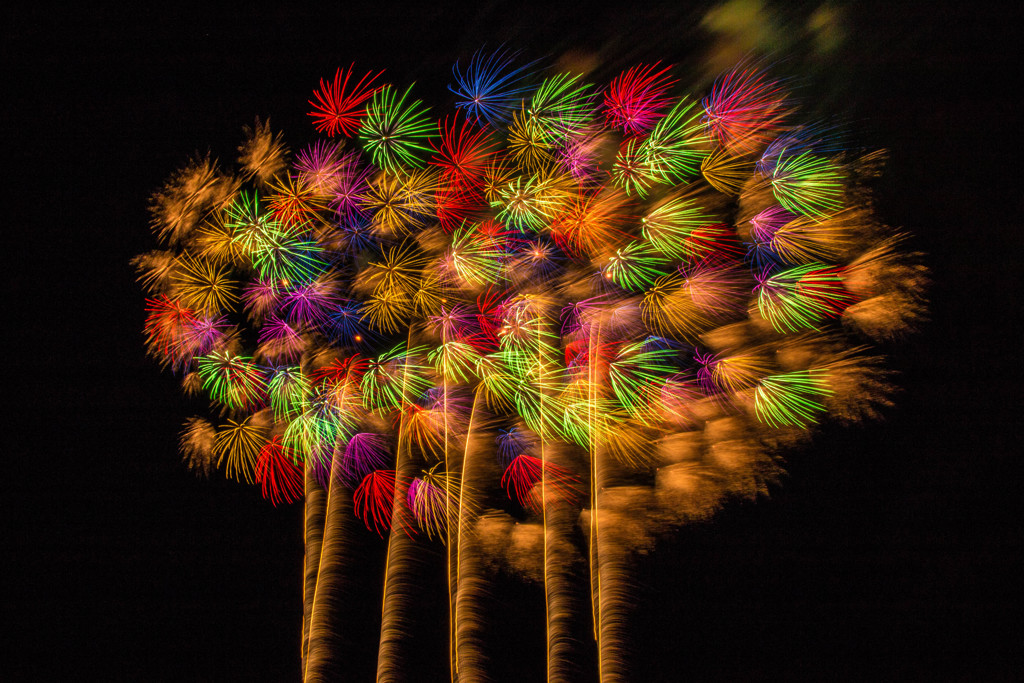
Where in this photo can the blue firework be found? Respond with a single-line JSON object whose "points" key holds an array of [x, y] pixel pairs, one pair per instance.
{"points": [[512, 443], [359, 233], [490, 88], [346, 325], [816, 138]]}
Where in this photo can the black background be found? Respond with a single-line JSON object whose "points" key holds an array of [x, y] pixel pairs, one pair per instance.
{"points": [[892, 552]]}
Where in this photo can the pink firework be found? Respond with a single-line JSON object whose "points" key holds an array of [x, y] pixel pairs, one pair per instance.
{"points": [[261, 298], [364, 453], [454, 321], [281, 340], [206, 333], [351, 185], [745, 110], [319, 165], [764, 225], [309, 303]]}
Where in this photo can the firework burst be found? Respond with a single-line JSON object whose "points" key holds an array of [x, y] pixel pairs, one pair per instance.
{"points": [[564, 317]]}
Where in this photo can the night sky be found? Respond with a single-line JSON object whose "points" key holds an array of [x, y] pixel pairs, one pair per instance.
{"points": [[891, 551]]}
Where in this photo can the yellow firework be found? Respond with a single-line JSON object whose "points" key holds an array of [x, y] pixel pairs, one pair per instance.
{"points": [[725, 173], [668, 309], [430, 296], [397, 273], [400, 202], [686, 305], [594, 224], [529, 144], [238, 444], [497, 175], [388, 310], [806, 240], [433, 496], [214, 241], [630, 442], [739, 370], [294, 202], [202, 285]]}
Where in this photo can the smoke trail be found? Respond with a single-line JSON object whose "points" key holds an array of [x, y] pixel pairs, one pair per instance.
{"points": [[399, 570], [560, 581], [609, 566], [399, 578], [329, 642], [313, 533], [618, 535], [471, 583], [451, 535]]}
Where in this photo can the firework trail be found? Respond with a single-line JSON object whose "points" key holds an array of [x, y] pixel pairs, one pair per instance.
{"points": [[540, 331]]}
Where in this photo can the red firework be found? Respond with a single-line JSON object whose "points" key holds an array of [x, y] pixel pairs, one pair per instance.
{"points": [[374, 503], [337, 111], [523, 474], [456, 203], [281, 480], [463, 152], [374, 499], [635, 99], [340, 371], [167, 329], [715, 243]]}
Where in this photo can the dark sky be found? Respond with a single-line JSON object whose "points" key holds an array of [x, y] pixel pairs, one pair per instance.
{"points": [[892, 552]]}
